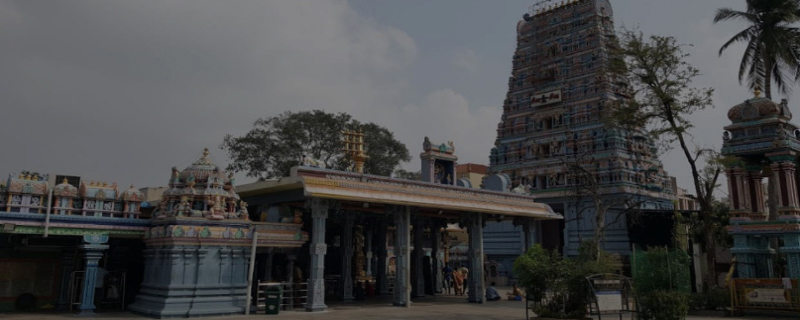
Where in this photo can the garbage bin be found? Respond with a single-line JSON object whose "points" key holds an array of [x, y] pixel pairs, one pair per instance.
{"points": [[272, 297]]}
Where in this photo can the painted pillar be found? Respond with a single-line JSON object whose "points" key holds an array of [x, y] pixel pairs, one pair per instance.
{"points": [[788, 171], [93, 248], [347, 257], [67, 266], [318, 248], [475, 253], [744, 190], [402, 219], [436, 240], [383, 282], [418, 281], [290, 258], [762, 255], [756, 193], [745, 264], [791, 247], [779, 185], [368, 246], [267, 260]]}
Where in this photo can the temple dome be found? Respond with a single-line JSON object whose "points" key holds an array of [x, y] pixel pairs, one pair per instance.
{"points": [[64, 189], [132, 194], [757, 108], [203, 171]]}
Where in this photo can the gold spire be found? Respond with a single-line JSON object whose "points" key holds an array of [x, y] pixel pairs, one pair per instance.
{"points": [[758, 92], [205, 152], [65, 181]]}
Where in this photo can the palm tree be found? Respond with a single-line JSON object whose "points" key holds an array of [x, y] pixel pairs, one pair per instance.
{"points": [[773, 43]]}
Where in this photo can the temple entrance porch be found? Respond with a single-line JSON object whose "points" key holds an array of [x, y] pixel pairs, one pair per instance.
{"points": [[381, 239]]}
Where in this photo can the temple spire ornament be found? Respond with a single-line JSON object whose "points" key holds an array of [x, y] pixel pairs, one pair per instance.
{"points": [[354, 147]]}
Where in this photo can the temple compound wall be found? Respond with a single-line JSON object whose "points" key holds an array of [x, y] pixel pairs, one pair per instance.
{"points": [[560, 93]]}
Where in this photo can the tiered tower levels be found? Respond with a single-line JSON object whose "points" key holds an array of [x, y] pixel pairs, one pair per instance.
{"points": [[559, 95]]}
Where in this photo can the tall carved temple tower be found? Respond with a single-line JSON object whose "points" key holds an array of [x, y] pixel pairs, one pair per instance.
{"points": [[559, 92]]}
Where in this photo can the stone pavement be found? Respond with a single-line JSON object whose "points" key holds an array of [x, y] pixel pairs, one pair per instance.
{"points": [[439, 308]]}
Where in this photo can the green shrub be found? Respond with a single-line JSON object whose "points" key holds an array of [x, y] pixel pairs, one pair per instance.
{"points": [[663, 305], [661, 269], [557, 285]]}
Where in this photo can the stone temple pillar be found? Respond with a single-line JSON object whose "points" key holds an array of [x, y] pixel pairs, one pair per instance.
{"points": [[402, 295], [418, 282], [347, 257], [93, 248], [290, 259], [67, 266], [475, 252], [368, 246], [316, 281], [383, 282], [436, 240]]}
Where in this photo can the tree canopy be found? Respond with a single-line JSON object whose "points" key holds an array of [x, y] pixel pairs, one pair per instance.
{"points": [[772, 51], [664, 100], [274, 145]]}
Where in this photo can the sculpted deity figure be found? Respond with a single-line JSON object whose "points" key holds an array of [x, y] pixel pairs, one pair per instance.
{"points": [[243, 213], [298, 217]]}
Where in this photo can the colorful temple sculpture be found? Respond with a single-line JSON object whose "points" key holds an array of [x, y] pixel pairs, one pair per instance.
{"points": [[554, 114], [763, 145], [197, 247]]}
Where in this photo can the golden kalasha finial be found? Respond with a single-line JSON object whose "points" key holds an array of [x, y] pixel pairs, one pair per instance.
{"points": [[131, 185], [21, 176], [205, 152], [758, 92], [105, 184], [65, 181]]}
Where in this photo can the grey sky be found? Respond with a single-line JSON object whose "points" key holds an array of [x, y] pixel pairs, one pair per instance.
{"points": [[124, 90]]}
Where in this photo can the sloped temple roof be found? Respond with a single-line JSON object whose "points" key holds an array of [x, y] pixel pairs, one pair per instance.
{"points": [[349, 186]]}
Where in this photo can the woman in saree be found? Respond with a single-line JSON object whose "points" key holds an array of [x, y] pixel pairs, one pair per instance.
{"points": [[458, 283]]}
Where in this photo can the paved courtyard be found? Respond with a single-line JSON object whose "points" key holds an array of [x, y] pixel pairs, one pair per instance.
{"points": [[439, 308]]}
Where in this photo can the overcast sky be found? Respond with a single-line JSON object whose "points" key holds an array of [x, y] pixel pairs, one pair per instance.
{"points": [[124, 90]]}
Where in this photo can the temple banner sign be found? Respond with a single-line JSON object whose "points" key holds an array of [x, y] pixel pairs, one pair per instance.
{"points": [[541, 99], [766, 296]]}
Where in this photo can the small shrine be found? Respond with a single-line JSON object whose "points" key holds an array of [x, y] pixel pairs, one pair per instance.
{"points": [[763, 145]]}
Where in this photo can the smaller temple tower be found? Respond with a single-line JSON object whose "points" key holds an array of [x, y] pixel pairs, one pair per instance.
{"points": [[438, 162], [762, 143]]}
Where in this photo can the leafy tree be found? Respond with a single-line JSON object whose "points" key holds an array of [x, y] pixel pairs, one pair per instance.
{"points": [[408, 175], [773, 43], [663, 101], [277, 144]]}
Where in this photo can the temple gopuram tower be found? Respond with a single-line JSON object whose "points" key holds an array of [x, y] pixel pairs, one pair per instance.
{"points": [[559, 92], [763, 146]]}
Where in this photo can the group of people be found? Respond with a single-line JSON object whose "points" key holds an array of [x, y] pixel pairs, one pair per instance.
{"points": [[456, 278]]}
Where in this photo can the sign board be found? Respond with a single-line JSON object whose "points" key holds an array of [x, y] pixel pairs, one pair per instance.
{"points": [[609, 300], [545, 98], [766, 296]]}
